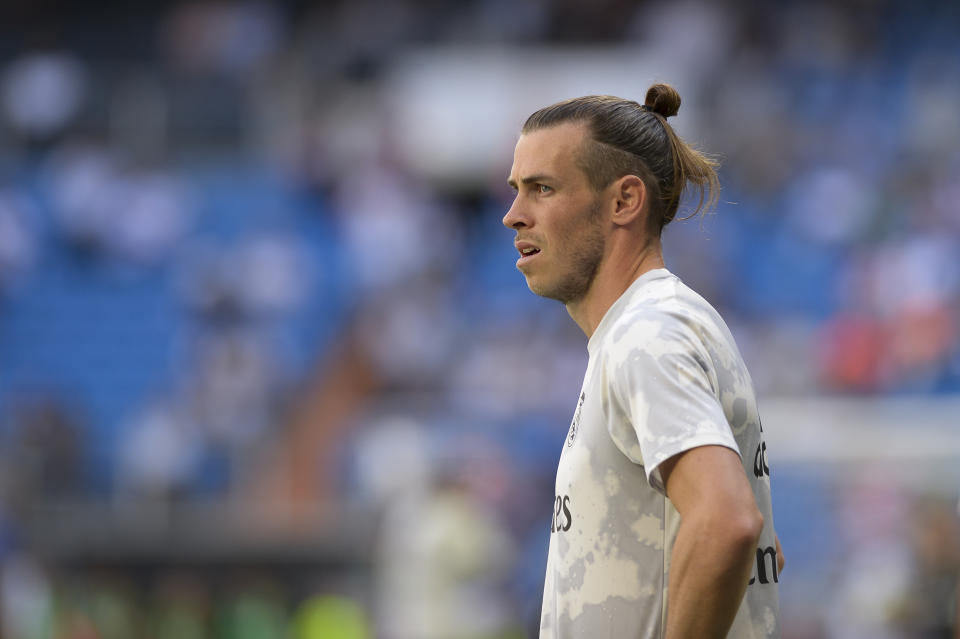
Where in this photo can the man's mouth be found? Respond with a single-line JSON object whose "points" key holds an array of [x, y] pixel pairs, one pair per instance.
{"points": [[527, 253]]}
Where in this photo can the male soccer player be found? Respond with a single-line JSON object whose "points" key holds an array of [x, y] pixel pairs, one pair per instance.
{"points": [[662, 523]]}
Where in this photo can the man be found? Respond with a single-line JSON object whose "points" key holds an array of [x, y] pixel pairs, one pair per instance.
{"points": [[662, 523]]}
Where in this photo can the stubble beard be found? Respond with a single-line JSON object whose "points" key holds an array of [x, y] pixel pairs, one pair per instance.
{"points": [[585, 252]]}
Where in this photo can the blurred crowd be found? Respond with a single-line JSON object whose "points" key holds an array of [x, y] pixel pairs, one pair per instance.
{"points": [[221, 281]]}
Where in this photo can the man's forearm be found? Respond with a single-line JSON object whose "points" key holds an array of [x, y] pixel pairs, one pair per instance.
{"points": [[709, 570]]}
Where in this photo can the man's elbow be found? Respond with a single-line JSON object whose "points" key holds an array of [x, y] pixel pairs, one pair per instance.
{"points": [[743, 530], [735, 530], [747, 529]]}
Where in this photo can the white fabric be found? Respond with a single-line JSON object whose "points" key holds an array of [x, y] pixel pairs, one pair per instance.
{"points": [[664, 376]]}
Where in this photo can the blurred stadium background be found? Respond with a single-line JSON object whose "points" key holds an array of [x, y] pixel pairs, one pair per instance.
{"points": [[267, 369]]}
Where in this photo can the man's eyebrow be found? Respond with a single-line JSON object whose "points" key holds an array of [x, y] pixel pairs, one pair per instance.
{"points": [[530, 179]]}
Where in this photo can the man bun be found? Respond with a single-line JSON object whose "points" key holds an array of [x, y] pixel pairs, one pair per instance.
{"points": [[662, 99]]}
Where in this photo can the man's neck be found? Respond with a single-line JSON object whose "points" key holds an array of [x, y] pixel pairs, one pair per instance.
{"points": [[613, 278]]}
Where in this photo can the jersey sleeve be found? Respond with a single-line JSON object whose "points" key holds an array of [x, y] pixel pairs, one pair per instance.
{"points": [[662, 380]]}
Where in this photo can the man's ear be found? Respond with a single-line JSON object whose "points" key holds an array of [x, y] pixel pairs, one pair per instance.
{"points": [[630, 195]]}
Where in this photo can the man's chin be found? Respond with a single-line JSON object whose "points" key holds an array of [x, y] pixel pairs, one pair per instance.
{"points": [[534, 285], [538, 288]]}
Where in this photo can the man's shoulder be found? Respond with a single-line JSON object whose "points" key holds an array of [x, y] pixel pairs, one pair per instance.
{"points": [[665, 309]]}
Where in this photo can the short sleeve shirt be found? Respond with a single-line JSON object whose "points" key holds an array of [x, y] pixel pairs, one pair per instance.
{"points": [[664, 376]]}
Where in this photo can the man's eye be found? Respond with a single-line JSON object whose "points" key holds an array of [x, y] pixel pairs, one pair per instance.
{"points": [[543, 189]]}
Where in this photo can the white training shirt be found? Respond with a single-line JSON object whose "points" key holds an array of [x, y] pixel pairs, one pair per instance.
{"points": [[664, 376]]}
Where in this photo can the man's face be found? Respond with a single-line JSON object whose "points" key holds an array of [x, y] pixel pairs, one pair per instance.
{"points": [[556, 214]]}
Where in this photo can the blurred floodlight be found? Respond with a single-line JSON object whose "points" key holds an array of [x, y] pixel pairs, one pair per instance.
{"points": [[457, 112]]}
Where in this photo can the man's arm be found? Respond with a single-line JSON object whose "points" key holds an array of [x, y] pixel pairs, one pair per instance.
{"points": [[715, 546], [781, 560]]}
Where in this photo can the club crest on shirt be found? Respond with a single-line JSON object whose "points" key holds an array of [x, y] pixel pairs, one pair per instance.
{"points": [[575, 424]]}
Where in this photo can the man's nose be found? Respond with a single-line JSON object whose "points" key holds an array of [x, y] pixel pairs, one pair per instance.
{"points": [[515, 217]]}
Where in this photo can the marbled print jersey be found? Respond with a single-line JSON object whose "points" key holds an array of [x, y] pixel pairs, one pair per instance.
{"points": [[664, 376]]}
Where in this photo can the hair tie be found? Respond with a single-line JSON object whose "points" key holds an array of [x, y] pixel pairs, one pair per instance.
{"points": [[647, 108]]}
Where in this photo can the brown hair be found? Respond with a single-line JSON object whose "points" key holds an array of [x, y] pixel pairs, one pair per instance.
{"points": [[630, 139]]}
